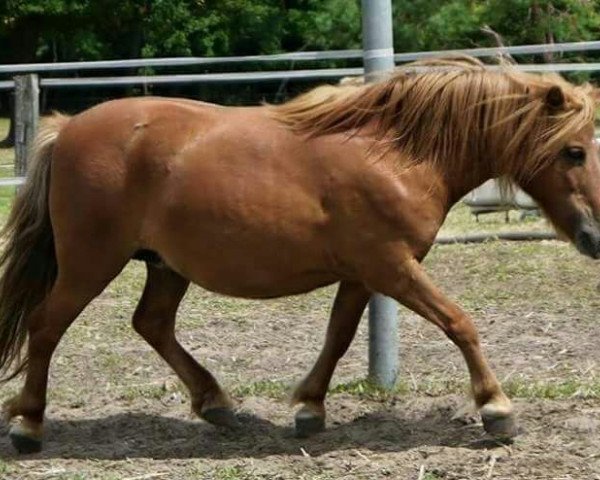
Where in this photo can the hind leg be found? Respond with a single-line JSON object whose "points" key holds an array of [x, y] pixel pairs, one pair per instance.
{"points": [[46, 325], [154, 320]]}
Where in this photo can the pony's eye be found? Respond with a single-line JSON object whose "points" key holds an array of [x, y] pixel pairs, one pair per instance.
{"points": [[575, 155]]}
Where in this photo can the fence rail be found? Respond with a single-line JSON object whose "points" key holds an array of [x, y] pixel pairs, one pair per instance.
{"points": [[291, 57], [180, 61], [12, 181], [267, 76], [514, 50], [201, 78], [221, 78]]}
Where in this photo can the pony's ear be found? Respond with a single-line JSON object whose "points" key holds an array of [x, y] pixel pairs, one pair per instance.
{"points": [[555, 97]]}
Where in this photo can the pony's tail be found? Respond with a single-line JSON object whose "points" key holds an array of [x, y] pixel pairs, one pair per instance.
{"points": [[28, 261]]}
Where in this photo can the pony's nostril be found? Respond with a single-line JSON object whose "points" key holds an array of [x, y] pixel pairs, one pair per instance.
{"points": [[587, 241]]}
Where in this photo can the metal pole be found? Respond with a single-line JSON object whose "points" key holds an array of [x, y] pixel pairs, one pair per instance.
{"points": [[378, 58], [27, 111], [378, 40]]}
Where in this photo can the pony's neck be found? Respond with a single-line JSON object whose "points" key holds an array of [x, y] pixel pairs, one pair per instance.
{"points": [[452, 180], [459, 183]]}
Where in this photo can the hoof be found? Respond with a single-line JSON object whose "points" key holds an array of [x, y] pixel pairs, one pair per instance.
{"points": [[23, 443], [502, 427], [308, 423], [221, 417], [10, 409]]}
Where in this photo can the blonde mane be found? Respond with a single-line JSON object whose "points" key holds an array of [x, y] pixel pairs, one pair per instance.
{"points": [[454, 112]]}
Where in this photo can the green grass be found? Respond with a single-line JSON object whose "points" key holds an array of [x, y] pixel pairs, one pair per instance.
{"points": [[7, 155], [432, 476], [524, 388], [5, 469], [558, 390], [151, 392], [275, 389], [7, 160], [367, 389], [231, 473], [461, 221], [363, 388], [516, 388]]}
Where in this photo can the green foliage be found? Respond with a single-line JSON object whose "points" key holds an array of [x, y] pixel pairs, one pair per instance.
{"points": [[323, 24], [434, 24], [543, 20], [79, 30], [88, 30], [91, 29]]}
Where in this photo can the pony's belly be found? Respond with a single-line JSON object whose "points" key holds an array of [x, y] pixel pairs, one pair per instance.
{"points": [[255, 263], [251, 279], [261, 288]]}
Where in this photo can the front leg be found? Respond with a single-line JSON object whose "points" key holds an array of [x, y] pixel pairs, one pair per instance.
{"points": [[410, 285]]}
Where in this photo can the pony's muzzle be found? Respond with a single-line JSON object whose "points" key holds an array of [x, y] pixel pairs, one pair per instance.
{"points": [[587, 239]]}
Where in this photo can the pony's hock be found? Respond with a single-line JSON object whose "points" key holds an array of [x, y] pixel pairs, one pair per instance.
{"points": [[206, 194]]}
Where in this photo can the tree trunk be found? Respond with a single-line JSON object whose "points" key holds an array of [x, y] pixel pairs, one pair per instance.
{"points": [[540, 17], [549, 35]]}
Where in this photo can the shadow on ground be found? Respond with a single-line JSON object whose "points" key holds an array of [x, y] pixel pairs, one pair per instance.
{"points": [[140, 435]]}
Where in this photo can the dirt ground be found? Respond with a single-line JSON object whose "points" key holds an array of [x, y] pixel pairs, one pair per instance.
{"points": [[117, 412]]}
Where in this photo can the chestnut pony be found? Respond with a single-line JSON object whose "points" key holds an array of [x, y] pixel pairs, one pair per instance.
{"points": [[345, 184]]}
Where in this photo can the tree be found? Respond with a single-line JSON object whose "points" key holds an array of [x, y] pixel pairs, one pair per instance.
{"points": [[448, 24], [322, 25], [64, 30], [543, 21]]}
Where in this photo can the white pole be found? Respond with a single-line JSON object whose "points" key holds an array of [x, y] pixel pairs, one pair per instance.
{"points": [[378, 58]]}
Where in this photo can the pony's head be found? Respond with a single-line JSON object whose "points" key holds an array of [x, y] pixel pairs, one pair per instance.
{"points": [[473, 123], [566, 184]]}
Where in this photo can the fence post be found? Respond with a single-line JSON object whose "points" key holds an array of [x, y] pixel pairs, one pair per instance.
{"points": [[378, 58], [27, 110]]}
